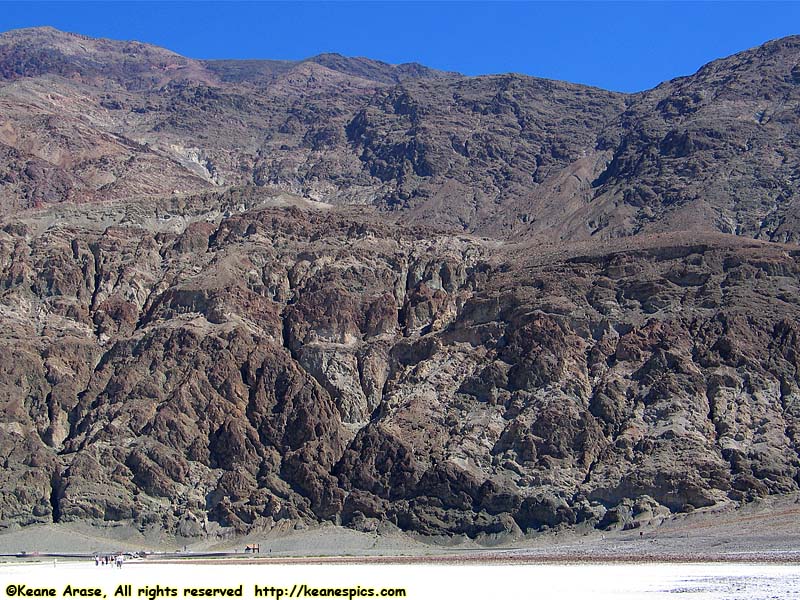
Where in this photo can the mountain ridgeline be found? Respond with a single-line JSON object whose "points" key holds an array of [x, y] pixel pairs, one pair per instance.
{"points": [[236, 292]]}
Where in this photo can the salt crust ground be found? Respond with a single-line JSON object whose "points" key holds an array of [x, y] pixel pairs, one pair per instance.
{"points": [[751, 581], [758, 549]]}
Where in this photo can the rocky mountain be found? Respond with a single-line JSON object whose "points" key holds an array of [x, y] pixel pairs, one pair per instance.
{"points": [[718, 148], [238, 292]]}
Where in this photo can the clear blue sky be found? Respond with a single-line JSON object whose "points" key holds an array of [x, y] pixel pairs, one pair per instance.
{"points": [[625, 46]]}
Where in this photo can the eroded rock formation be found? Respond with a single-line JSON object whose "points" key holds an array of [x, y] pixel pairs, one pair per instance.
{"points": [[550, 304]]}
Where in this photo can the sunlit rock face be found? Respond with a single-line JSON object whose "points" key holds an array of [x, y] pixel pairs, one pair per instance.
{"points": [[339, 290]]}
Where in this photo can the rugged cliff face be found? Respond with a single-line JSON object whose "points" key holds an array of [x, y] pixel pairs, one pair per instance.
{"points": [[315, 363], [549, 305]]}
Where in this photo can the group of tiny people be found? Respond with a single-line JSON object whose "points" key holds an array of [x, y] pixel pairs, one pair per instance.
{"points": [[112, 560]]}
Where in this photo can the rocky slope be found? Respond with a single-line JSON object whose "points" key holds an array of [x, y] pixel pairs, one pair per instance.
{"points": [[508, 156], [302, 362], [86, 119], [341, 290], [719, 147]]}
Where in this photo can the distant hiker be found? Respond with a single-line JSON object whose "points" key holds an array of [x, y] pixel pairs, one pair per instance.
{"points": [[119, 561], [96, 561]]}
